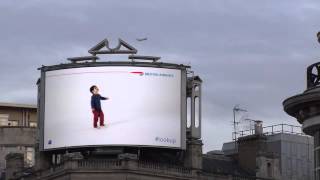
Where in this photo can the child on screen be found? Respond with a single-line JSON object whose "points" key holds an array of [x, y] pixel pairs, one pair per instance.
{"points": [[96, 106]]}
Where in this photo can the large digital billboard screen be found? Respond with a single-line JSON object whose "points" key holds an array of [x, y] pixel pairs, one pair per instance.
{"points": [[112, 106]]}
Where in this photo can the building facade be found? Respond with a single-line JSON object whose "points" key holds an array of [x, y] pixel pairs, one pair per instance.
{"points": [[305, 108], [296, 155], [18, 124], [292, 149]]}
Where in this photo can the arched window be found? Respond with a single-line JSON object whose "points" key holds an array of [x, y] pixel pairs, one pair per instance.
{"points": [[188, 112], [196, 88], [197, 111], [269, 169]]}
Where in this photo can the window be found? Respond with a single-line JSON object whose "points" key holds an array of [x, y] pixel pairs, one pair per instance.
{"points": [[11, 149], [269, 169], [289, 164], [53, 159], [30, 156], [12, 123], [58, 158], [196, 88], [4, 118], [33, 124]]}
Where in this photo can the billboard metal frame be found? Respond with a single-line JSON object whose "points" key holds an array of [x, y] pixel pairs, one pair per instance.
{"points": [[41, 96]]}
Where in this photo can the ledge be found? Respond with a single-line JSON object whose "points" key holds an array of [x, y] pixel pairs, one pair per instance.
{"points": [[113, 166], [294, 104]]}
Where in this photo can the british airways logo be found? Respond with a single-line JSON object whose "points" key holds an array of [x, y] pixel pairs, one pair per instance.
{"points": [[137, 73], [152, 74]]}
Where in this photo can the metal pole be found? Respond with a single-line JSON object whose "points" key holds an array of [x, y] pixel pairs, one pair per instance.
{"points": [[234, 128], [236, 108]]}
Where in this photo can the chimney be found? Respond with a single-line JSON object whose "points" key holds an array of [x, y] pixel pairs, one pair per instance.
{"points": [[258, 130]]}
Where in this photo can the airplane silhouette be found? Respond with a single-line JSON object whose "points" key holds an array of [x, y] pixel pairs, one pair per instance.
{"points": [[142, 39]]}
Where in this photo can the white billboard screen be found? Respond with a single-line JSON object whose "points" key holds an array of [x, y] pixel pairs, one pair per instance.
{"points": [[142, 107]]}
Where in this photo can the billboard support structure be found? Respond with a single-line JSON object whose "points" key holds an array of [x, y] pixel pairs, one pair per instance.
{"points": [[83, 58], [103, 48], [151, 58], [98, 48]]}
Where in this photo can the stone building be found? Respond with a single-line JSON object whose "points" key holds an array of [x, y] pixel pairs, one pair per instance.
{"points": [[305, 108], [18, 124], [290, 150]]}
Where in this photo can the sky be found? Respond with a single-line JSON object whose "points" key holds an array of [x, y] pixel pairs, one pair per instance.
{"points": [[252, 53]]}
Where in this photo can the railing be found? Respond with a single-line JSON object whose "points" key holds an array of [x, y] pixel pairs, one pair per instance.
{"points": [[101, 164], [55, 169], [165, 168], [274, 129], [130, 165], [283, 128]]}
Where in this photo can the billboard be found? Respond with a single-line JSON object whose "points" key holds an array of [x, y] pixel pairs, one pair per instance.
{"points": [[112, 106]]}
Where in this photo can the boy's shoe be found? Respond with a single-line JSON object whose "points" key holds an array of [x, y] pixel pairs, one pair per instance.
{"points": [[102, 125]]}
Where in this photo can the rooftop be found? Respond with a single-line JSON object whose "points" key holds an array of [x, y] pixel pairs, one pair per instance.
{"points": [[14, 105]]}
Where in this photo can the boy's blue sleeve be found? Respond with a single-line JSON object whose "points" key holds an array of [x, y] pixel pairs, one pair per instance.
{"points": [[103, 98]]}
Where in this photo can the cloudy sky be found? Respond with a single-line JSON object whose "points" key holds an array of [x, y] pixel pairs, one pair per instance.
{"points": [[252, 53]]}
